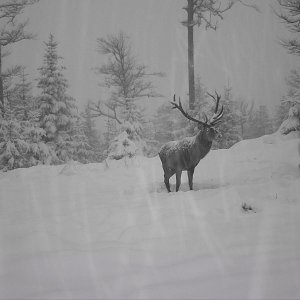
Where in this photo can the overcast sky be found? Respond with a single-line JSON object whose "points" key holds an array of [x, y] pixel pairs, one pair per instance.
{"points": [[243, 51]]}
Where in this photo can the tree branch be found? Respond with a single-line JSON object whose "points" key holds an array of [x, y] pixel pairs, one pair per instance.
{"points": [[98, 111]]}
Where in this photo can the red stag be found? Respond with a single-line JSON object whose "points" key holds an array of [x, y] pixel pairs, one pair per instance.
{"points": [[185, 154]]}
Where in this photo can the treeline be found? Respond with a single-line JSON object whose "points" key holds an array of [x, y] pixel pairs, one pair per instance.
{"points": [[241, 120], [46, 126]]}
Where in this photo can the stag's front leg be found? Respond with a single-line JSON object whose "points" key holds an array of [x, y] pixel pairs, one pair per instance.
{"points": [[178, 179], [190, 176]]}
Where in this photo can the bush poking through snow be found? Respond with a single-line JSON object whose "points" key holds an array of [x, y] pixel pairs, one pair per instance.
{"points": [[248, 208]]}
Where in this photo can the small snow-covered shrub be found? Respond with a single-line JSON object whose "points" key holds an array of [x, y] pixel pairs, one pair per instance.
{"points": [[292, 123], [128, 143], [121, 147]]}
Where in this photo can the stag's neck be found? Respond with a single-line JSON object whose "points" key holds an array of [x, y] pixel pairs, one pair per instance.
{"points": [[202, 141]]}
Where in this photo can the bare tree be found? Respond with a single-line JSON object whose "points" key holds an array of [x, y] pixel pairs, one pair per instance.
{"points": [[203, 13], [289, 14], [11, 31], [125, 77], [245, 114]]}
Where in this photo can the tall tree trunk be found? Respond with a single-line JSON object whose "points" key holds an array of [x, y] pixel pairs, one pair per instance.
{"points": [[191, 71], [1, 87]]}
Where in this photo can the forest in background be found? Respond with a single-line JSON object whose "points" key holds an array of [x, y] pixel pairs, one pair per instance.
{"points": [[47, 127]]}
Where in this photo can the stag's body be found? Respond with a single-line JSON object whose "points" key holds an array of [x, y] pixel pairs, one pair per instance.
{"points": [[185, 154]]}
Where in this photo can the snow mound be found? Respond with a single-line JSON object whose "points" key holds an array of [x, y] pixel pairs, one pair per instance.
{"points": [[112, 231], [71, 168]]}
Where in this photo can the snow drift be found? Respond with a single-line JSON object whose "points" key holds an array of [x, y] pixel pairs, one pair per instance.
{"points": [[112, 231]]}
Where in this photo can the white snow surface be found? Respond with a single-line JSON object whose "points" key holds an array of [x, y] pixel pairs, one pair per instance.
{"points": [[111, 231]]}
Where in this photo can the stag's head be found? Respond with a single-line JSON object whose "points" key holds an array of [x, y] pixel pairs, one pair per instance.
{"points": [[207, 126]]}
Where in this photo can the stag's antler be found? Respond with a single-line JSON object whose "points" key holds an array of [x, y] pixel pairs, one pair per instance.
{"points": [[180, 108], [216, 118]]}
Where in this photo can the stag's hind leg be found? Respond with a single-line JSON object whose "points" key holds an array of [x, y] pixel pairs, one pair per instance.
{"points": [[166, 180], [178, 179], [167, 174], [190, 176]]}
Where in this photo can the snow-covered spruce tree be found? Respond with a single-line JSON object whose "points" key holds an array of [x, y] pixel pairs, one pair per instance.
{"points": [[291, 103], [12, 142], [289, 13], [21, 137], [127, 83], [92, 135], [24, 101], [281, 112], [12, 31], [58, 111], [164, 122], [260, 124], [229, 127], [292, 123], [127, 144], [110, 132], [245, 115], [79, 145]]}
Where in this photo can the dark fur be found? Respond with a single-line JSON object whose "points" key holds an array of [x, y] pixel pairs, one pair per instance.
{"points": [[184, 155]]}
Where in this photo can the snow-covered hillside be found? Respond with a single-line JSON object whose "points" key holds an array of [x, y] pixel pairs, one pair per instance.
{"points": [[112, 231]]}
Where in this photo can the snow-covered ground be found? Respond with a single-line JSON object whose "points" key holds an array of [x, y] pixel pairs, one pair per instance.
{"points": [[112, 231]]}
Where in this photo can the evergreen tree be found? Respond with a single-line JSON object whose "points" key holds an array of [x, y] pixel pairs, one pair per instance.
{"points": [[79, 146], [21, 137], [12, 31], [12, 141], [110, 133], [261, 123], [281, 112], [23, 99], [58, 111], [169, 125], [229, 127], [164, 124], [93, 137], [245, 115]]}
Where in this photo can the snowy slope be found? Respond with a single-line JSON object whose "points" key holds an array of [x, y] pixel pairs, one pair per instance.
{"points": [[84, 231]]}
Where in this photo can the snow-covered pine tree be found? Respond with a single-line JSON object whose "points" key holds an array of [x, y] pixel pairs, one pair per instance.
{"points": [[291, 103], [245, 115], [79, 145], [110, 132], [21, 137], [292, 123], [23, 97], [93, 136], [261, 124], [58, 111], [281, 112], [12, 142], [126, 144], [164, 124], [229, 127]]}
